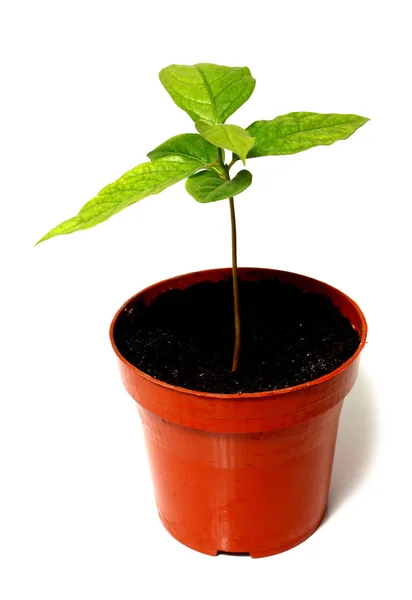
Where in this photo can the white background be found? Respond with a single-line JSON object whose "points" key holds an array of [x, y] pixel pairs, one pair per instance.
{"points": [[81, 104]]}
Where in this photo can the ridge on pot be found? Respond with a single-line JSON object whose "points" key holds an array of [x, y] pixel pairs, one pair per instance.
{"points": [[242, 473]]}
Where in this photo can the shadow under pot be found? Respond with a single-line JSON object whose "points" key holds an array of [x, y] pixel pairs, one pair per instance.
{"points": [[244, 473]]}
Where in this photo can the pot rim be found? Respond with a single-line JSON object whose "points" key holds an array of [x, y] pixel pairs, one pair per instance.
{"points": [[238, 396]]}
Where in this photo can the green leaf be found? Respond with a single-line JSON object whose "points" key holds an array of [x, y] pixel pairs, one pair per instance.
{"points": [[208, 92], [187, 145], [207, 186], [230, 137], [299, 131], [144, 180]]}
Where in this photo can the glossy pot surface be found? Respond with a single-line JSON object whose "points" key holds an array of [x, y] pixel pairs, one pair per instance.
{"points": [[242, 473]]}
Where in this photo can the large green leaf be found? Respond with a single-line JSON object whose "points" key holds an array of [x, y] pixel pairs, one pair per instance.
{"points": [[299, 131], [144, 180], [187, 145], [208, 92], [230, 137], [207, 186]]}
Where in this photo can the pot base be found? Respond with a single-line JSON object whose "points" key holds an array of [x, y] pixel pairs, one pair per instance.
{"points": [[252, 553]]}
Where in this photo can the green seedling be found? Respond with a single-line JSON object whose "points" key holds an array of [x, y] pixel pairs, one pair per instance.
{"points": [[210, 94]]}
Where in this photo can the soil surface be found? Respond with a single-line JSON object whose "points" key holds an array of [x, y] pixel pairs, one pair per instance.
{"points": [[186, 338]]}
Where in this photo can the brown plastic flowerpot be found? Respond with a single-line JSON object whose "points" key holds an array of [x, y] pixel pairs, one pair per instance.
{"points": [[242, 473]]}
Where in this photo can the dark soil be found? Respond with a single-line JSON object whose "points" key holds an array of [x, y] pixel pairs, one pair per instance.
{"points": [[185, 338]]}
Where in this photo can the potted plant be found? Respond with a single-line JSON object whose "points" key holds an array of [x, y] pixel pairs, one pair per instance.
{"points": [[239, 374]]}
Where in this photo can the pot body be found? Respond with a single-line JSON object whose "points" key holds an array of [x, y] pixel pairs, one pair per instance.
{"points": [[242, 473]]}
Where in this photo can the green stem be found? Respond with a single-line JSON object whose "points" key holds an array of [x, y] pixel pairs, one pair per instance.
{"points": [[235, 278]]}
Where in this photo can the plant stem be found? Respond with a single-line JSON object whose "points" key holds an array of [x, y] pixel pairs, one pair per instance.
{"points": [[235, 278], [235, 286]]}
